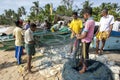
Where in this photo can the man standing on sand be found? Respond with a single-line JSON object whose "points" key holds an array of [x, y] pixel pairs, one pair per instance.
{"points": [[86, 37], [76, 28], [29, 44], [105, 28], [18, 35]]}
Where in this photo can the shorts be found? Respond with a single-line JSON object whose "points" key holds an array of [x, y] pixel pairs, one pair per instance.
{"points": [[102, 35], [30, 49]]}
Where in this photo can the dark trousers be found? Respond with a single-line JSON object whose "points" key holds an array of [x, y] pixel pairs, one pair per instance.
{"points": [[85, 51], [75, 45]]}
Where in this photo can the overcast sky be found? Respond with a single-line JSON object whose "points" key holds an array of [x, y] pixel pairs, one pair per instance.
{"points": [[14, 4]]}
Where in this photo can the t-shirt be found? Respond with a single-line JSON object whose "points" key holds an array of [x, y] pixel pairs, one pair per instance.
{"points": [[105, 22], [76, 25], [28, 36], [89, 28], [18, 33], [116, 26], [27, 26], [55, 27]]}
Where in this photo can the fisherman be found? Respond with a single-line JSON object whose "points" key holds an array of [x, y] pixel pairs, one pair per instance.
{"points": [[86, 37], [18, 35], [56, 27], [29, 45], [105, 28], [76, 28]]}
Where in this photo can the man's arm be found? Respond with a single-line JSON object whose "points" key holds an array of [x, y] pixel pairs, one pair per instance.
{"points": [[81, 36], [97, 30], [111, 25], [85, 31], [110, 30], [13, 34]]}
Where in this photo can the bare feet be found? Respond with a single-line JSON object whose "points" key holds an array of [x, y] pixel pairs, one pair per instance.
{"points": [[97, 52], [82, 70], [29, 71], [101, 51]]}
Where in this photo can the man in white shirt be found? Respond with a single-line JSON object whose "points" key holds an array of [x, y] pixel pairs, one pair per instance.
{"points": [[105, 28], [116, 25], [29, 44]]}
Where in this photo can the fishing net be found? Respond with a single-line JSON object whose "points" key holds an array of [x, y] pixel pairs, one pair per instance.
{"points": [[42, 38], [51, 38], [95, 71]]}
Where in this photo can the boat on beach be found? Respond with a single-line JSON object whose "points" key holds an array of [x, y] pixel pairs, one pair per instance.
{"points": [[41, 38], [112, 43]]}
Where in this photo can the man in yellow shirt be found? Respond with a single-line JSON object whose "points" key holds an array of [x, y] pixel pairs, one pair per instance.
{"points": [[76, 28], [18, 35], [75, 25]]}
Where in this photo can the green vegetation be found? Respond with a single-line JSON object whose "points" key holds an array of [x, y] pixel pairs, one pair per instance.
{"points": [[38, 13]]}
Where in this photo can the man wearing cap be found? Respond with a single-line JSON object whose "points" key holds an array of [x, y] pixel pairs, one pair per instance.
{"points": [[18, 35]]}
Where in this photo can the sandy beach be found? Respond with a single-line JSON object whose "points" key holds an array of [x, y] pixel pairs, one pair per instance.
{"points": [[9, 70]]}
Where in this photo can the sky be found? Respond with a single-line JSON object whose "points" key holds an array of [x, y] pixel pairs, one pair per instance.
{"points": [[15, 4]]}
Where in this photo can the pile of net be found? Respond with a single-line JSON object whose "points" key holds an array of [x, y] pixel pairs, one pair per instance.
{"points": [[95, 71], [51, 38]]}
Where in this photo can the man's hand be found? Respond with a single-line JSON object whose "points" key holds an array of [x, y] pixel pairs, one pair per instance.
{"points": [[108, 35], [31, 42], [77, 36]]}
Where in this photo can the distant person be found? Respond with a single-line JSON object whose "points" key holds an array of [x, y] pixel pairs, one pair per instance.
{"points": [[47, 25], [76, 28], [27, 25], [29, 45], [86, 37], [116, 25], [56, 27], [105, 28], [69, 23], [18, 35]]}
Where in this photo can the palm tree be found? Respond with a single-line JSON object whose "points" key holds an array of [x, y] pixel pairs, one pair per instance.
{"points": [[61, 10], [8, 16], [21, 11], [67, 3], [35, 8], [113, 8], [85, 4]]}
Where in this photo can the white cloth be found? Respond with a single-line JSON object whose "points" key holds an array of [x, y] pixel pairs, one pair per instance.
{"points": [[105, 22], [28, 36], [116, 26]]}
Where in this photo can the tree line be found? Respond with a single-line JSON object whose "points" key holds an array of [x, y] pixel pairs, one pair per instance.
{"points": [[48, 12]]}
